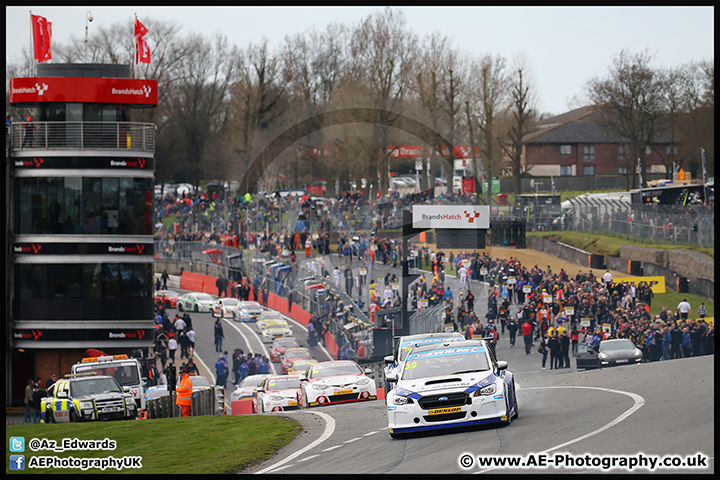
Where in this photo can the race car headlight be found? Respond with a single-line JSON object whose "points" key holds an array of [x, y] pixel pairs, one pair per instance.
{"points": [[602, 356], [638, 352], [319, 386], [86, 405], [276, 398], [489, 390], [402, 400], [363, 381]]}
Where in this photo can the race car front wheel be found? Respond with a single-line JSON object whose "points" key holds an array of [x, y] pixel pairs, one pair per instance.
{"points": [[515, 402], [506, 417]]}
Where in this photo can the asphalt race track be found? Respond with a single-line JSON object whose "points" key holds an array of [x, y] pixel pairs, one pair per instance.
{"points": [[656, 409]]}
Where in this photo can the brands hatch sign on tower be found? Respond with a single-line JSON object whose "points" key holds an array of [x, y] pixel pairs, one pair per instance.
{"points": [[473, 217]]}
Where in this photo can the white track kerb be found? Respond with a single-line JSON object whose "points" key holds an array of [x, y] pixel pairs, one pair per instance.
{"points": [[329, 429]]}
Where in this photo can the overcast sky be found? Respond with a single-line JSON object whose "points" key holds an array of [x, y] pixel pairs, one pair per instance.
{"points": [[565, 46]]}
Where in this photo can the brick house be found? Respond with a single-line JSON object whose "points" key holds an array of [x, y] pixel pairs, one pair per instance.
{"points": [[576, 144]]}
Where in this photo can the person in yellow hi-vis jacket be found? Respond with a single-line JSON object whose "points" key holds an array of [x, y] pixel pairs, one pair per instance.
{"points": [[184, 392]]}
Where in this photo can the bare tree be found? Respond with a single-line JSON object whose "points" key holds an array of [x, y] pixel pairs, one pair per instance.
{"points": [[383, 50], [199, 107], [454, 87], [489, 96], [523, 113], [428, 89], [672, 98], [258, 102], [697, 120], [631, 101]]}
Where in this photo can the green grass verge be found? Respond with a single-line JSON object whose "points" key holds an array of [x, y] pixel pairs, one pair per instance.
{"points": [[671, 300], [608, 245], [220, 444]]}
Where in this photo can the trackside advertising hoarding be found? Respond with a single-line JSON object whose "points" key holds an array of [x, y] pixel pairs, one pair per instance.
{"points": [[468, 217]]}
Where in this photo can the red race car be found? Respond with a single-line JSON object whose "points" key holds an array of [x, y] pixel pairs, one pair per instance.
{"points": [[280, 345], [292, 354], [169, 298]]}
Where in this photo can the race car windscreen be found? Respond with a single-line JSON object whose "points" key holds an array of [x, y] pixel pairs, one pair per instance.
{"points": [[333, 370], [408, 345], [445, 361], [276, 324], [93, 386], [617, 346], [282, 383], [286, 342], [297, 354], [126, 375]]}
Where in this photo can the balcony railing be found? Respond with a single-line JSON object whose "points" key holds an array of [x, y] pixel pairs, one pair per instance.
{"points": [[83, 136]]}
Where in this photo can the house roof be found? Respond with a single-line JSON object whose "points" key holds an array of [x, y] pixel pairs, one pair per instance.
{"points": [[582, 125]]}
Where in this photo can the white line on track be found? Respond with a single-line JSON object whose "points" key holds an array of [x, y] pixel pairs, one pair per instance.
{"points": [[352, 440], [329, 429], [639, 402], [332, 448], [308, 458], [283, 468], [369, 433]]}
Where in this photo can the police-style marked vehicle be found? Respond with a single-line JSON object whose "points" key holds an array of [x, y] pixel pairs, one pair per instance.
{"points": [[337, 381], [87, 397], [126, 370], [454, 384], [394, 362]]}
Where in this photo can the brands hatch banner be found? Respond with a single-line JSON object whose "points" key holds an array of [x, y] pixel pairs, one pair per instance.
{"points": [[71, 163], [46, 248], [82, 334], [657, 284], [451, 216], [83, 90]]}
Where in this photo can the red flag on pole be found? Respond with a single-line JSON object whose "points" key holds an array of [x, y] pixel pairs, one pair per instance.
{"points": [[42, 31], [142, 51]]}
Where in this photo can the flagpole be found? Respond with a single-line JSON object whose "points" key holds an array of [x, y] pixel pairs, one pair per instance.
{"points": [[135, 48], [32, 70]]}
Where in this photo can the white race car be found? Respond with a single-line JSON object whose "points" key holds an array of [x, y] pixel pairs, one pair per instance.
{"points": [[277, 394], [247, 311], [338, 381], [454, 384], [247, 388], [224, 307], [265, 317], [195, 302], [275, 329], [393, 363]]}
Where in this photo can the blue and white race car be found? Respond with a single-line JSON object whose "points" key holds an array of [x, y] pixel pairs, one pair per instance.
{"points": [[454, 384], [393, 363], [247, 311]]}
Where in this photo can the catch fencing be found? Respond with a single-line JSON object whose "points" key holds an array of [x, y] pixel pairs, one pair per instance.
{"points": [[682, 225]]}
